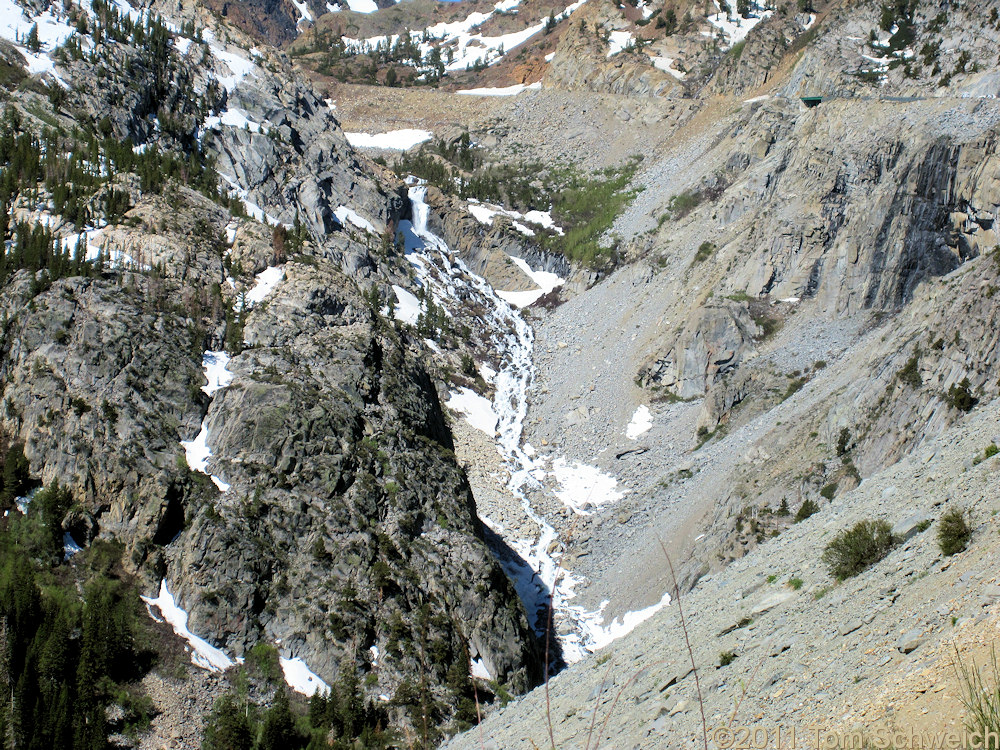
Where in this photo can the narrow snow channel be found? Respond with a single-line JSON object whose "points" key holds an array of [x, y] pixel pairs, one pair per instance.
{"points": [[203, 653], [536, 574], [197, 451]]}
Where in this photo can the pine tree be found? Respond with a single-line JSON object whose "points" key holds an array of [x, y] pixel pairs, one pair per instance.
{"points": [[32, 42], [227, 727], [278, 731]]}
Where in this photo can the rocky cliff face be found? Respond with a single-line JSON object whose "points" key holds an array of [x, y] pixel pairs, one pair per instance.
{"points": [[336, 523], [855, 223], [487, 250], [582, 62]]}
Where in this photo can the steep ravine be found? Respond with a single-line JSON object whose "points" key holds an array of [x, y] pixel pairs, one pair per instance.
{"points": [[528, 546]]}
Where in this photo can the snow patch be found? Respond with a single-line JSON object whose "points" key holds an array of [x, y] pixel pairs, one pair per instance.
{"points": [[641, 422], [666, 64], [407, 308], [600, 635], [203, 653], [305, 16], [479, 670], [467, 48], [395, 140], [197, 452], [216, 364], [233, 118], [70, 547], [15, 25], [583, 487], [267, 280], [478, 410], [514, 90], [734, 27], [300, 678], [239, 66], [362, 6], [545, 279], [345, 214], [619, 41]]}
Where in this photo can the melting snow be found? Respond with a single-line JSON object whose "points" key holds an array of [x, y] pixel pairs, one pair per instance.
{"points": [[407, 309], [396, 140], [734, 27], [253, 209], [535, 572], [304, 15], [203, 653], [641, 422], [478, 410], [15, 25], [546, 281], [197, 451], [600, 635], [345, 214], [466, 47], [267, 280], [484, 214], [517, 88], [362, 6], [582, 487], [666, 65], [216, 364], [239, 66], [197, 454], [300, 678], [618, 41], [24, 502], [478, 669], [234, 118]]}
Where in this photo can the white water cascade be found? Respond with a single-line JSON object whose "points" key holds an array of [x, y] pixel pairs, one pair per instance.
{"points": [[537, 575]]}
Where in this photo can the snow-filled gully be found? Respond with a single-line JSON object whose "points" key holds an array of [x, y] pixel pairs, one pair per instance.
{"points": [[536, 572]]}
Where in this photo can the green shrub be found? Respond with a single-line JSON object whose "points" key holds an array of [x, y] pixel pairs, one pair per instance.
{"points": [[795, 583], [910, 374], [855, 549], [960, 396], [807, 508], [843, 442], [705, 250], [794, 386], [726, 658], [829, 491], [953, 532], [682, 204]]}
